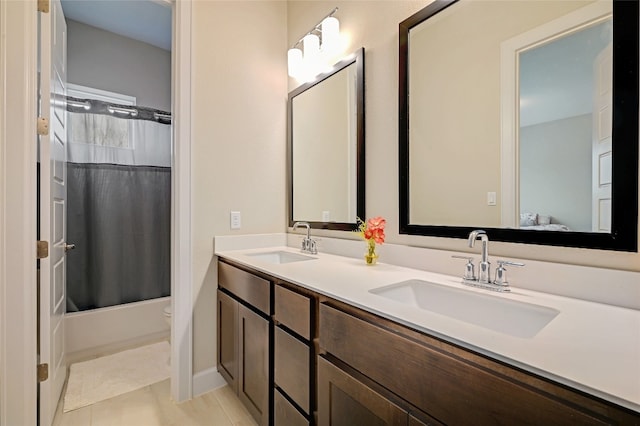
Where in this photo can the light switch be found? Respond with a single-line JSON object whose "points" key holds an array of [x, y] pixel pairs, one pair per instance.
{"points": [[491, 199], [235, 220]]}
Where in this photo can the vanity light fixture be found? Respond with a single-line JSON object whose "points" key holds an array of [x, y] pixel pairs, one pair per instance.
{"points": [[319, 47]]}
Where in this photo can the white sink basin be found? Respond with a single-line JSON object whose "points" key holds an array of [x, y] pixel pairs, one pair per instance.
{"points": [[280, 257], [518, 319]]}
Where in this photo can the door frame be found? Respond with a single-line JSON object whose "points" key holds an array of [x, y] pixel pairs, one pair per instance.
{"points": [[181, 204], [18, 191]]}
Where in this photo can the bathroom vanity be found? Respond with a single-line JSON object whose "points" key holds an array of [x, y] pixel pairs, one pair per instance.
{"points": [[312, 340]]}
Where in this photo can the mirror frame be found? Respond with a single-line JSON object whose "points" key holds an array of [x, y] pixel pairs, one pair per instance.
{"points": [[624, 215], [356, 58]]}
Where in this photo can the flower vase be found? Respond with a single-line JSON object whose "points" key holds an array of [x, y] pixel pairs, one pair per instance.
{"points": [[371, 258]]}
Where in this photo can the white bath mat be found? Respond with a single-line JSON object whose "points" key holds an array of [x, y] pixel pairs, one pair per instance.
{"points": [[103, 378]]}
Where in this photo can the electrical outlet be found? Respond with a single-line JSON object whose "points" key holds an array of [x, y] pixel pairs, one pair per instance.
{"points": [[236, 222], [326, 216]]}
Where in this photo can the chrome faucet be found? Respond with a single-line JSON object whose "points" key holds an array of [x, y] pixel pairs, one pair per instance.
{"points": [[484, 268], [308, 244], [484, 277]]}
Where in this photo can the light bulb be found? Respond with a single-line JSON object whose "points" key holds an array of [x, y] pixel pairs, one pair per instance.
{"points": [[294, 62], [311, 61], [330, 35], [311, 43]]}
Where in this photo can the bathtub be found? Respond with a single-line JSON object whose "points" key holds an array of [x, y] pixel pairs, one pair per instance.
{"points": [[107, 330]]}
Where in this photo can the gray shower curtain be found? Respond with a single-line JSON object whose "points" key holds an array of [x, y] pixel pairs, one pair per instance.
{"points": [[118, 203], [119, 219]]}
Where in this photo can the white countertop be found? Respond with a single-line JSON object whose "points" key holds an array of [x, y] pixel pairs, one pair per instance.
{"points": [[589, 346]]}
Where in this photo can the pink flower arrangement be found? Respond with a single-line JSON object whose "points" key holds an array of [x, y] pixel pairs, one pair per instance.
{"points": [[372, 231]]}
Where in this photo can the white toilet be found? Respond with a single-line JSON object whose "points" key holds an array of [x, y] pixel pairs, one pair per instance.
{"points": [[167, 317], [167, 314]]}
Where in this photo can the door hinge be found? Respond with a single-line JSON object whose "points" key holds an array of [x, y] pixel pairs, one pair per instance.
{"points": [[43, 249], [43, 126], [43, 6], [43, 372]]}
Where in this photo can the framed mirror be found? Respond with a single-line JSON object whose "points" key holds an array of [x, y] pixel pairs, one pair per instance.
{"points": [[326, 148], [521, 118]]}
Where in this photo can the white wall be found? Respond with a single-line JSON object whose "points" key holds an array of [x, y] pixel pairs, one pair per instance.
{"points": [[239, 140], [374, 25], [108, 61]]}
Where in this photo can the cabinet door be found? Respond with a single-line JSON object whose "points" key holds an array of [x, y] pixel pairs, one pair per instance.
{"points": [[345, 401], [414, 421], [228, 339], [253, 385]]}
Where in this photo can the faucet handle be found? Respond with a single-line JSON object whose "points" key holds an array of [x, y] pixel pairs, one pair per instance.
{"points": [[312, 246], [501, 272], [469, 270]]}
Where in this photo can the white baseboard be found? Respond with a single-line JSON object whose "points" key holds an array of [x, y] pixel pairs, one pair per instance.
{"points": [[206, 381]]}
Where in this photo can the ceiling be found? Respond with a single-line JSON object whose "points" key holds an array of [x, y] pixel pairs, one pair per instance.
{"points": [[148, 21]]}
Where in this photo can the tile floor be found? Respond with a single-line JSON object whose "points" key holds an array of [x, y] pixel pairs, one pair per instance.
{"points": [[152, 406]]}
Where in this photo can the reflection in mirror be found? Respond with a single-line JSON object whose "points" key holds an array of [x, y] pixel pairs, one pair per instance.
{"points": [[510, 115], [326, 143], [564, 131]]}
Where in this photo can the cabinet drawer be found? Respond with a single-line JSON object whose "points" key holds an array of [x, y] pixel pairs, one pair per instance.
{"points": [[291, 364], [293, 310], [252, 289], [432, 380], [286, 414]]}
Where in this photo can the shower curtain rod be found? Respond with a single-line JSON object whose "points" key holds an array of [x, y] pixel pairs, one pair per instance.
{"points": [[94, 106]]}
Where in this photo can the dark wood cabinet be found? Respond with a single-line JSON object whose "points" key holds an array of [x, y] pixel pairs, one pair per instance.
{"points": [[293, 310], [285, 413], [253, 377], [416, 422], [295, 357], [244, 330], [449, 384], [346, 401], [292, 361], [246, 286], [293, 353], [228, 339]]}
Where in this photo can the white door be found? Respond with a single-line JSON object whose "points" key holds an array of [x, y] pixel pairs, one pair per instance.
{"points": [[602, 152], [53, 206]]}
